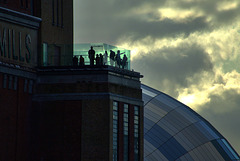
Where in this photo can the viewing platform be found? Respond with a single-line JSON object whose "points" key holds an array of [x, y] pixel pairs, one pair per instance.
{"points": [[77, 55]]}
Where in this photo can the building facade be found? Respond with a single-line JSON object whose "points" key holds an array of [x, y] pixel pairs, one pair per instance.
{"points": [[52, 110], [88, 114]]}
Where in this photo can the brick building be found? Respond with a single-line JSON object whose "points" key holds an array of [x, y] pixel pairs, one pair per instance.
{"points": [[52, 111]]}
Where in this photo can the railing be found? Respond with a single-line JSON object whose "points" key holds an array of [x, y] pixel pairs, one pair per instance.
{"points": [[77, 55]]}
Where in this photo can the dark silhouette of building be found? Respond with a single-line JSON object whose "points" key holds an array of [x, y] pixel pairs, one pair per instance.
{"points": [[52, 110]]}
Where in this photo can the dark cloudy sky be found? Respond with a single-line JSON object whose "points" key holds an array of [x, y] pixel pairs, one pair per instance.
{"points": [[189, 49]]}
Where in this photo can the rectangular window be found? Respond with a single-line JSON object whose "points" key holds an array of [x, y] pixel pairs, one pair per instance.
{"points": [[45, 54], [5, 81], [136, 133], [10, 82], [125, 132], [115, 131]]}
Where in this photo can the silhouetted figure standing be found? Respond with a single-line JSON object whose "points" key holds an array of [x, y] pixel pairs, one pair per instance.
{"points": [[124, 61], [118, 58], [75, 61], [101, 59], [91, 55], [81, 61], [105, 58], [97, 60], [112, 57]]}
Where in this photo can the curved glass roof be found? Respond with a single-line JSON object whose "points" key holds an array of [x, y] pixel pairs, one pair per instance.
{"points": [[173, 131]]}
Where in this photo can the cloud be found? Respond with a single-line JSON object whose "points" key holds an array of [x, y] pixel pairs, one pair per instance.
{"points": [[170, 68], [223, 112]]}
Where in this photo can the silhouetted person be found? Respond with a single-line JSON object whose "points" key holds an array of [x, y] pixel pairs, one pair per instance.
{"points": [[118, 58], [105, 58], [91, 55], [112, 57], [101, 59], [81, 61], [124, 61], [75, 61], [97, 60]]}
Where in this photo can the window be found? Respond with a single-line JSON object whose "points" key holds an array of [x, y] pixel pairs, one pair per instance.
{"points": [[136, 133], [57, 13], [115, 131], [45, 54], [125, 132]]}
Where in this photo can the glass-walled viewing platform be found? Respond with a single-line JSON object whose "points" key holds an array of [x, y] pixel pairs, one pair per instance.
{"points": [[82, 55]]}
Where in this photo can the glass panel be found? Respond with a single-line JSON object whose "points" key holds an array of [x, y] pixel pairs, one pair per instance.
{"points": [[111, 55], [145, 91], [45, 54], [125, 132], [209, 130], [226, 150], [115, 130], [168, 101], [230, 149]]}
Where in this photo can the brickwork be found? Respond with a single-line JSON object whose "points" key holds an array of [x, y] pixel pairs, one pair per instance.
{"points": [[57, 130], [15, 122], [96, 109], [54, 115], [83, 87]]}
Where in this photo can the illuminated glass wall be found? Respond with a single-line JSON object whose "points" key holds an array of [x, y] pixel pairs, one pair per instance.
{"points": [[100, 48], [62, 54]]}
